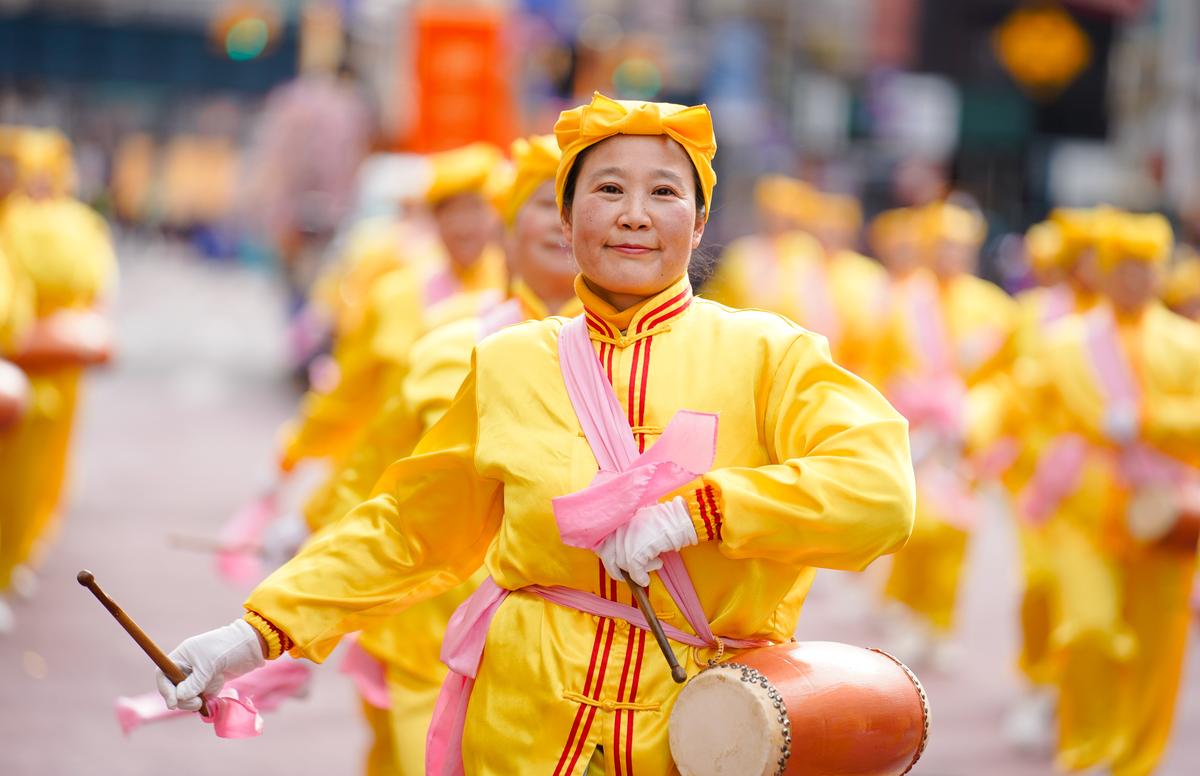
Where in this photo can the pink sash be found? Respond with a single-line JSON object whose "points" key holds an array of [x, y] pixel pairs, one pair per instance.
{"points": [[626, 481], [820, 315]]}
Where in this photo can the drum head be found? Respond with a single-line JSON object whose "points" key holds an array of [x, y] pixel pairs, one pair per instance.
{"points": [[724, 726], [1152, 512]]}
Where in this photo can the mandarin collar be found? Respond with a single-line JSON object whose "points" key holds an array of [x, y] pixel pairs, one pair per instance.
{"points": [[643, 319]]}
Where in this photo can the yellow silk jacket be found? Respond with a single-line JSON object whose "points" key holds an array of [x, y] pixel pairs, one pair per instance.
{"points": [[812, 469]]}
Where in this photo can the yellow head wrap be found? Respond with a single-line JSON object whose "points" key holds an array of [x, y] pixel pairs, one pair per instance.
{"points": [[692, 128], [953, 223], [535, 160], [1183, 279], [839, 210], [499, 183], [781, 195], [45, 152], [1045, 246], [1126, 236], [461, 170]]}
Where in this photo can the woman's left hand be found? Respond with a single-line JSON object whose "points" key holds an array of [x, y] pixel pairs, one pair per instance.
{"points": [[653, 530]]}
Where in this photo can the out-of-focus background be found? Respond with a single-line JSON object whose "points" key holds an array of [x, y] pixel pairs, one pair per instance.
{"points": [[230, 144]]}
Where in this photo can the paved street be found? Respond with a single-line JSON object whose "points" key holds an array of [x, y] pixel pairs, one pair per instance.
{"points": [[179, 432]]}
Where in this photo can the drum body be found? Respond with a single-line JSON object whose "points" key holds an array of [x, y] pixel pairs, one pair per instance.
{"points": [[14, 393], [1166, 517], [814, 708]]}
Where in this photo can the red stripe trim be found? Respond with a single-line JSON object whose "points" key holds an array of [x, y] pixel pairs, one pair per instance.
{"points": [[603, 349], [621, 697], [704, 514], [587, 726], [716, 513], [645, 318], [587, 686], [670, 314], [645, 372], [611, 349], [637, 351], [597, 322], [637, 672]]}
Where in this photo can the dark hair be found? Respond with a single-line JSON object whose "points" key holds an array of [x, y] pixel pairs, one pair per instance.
{"points": [[577, 165]]}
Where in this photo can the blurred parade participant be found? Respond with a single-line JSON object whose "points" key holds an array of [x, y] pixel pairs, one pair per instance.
{"points": [[1121, 386], [802, 266], [313, 134], [810, 468], [542, 276], [947, 332], [372, 353], [1181, 291], [9, 136], [64, 251]]}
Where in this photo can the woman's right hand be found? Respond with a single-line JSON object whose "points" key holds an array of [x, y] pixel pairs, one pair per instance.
{"points": [[211, 659]]}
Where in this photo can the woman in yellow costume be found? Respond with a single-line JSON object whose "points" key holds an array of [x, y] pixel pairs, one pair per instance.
{"points": [[541, 281], [802, 267], [63, 249], [1121, 385], [371, 351], [948, 332], [810, 468]]}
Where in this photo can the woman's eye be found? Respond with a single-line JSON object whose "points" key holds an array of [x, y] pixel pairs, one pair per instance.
{"points": [[664, 191], [610, 188]]}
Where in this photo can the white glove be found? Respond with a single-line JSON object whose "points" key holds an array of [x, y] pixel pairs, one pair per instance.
{"points": [[656, 529], [210, 660], [1121, 424], [283, 538]]}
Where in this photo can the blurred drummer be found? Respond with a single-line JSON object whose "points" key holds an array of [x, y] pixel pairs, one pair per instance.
{"points": [[63, 249], [372, 349], [1122, 384], [811, 469]]}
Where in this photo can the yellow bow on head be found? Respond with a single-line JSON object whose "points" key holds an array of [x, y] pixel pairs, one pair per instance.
{"points": [[586, 125], [1139, 237], [953, 223], [45, 152], [1046, 247], [782, 195], [1183, 279], [536, 161]]}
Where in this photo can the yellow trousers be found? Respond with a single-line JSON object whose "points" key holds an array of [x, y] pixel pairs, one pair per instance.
{"points": [[413, 698], [1119, 643], [381, 757], [33, 463], [925, 574], [1037, 602]]}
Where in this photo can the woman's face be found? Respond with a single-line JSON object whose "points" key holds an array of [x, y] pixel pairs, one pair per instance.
{"points": [[633, 223], [466, 223], [539, 256], [1132, 284]]}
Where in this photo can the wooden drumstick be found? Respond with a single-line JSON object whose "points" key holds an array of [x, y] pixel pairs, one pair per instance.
{"points": [[205, 544], [643, 602], [164, 663]]}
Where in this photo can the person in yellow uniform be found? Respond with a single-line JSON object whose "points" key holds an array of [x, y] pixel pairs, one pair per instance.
{"points": [[810, 468], [948, 333], [1181, 291], [811, 274], [1122, 385], [395, 306], [64, 251]]}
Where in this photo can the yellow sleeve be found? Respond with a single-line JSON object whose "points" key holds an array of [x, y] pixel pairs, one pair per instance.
{"points": [[840, 491], [425, 530], [390, 436], [439, 364]]}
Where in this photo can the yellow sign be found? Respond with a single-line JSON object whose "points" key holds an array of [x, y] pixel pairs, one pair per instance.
{"points": [[1042, 48]]}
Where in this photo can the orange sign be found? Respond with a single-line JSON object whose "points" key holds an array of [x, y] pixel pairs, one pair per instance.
{"points": [[462, 80]]}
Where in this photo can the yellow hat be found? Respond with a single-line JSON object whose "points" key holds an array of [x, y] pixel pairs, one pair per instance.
{"points": [[535, 161], [953, 223], [692, 128], [1183, 279], [841, 210], [1045, 245], [45, 152], [1140, 237], [499, 183], [781, 195], [461, 170]]}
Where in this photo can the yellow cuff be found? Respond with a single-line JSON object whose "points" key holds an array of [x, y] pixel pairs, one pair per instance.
{"points": [[706, 508], [268, 632]]}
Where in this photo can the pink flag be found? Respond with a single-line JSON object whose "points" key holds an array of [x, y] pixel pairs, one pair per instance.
{"points": [[369, 675], [244, 530]]}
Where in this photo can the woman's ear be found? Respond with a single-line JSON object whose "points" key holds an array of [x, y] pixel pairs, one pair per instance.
{"points": [[565, 218], [698, 230]]}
